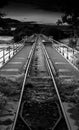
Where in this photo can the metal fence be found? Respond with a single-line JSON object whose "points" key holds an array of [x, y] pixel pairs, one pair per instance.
{"points": [[6, 53], [69, 53]]}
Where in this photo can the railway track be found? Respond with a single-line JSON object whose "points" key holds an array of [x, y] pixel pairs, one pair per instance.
{"points": [[40, 106]]}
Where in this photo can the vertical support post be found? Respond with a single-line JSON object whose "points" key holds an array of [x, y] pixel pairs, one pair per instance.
{"points": [[57, 48], [9, 52], [16, 47], [73, 51], [13, 48], [3, 56], [73, 55], [60, 49], [67, 53], [63, 50]]}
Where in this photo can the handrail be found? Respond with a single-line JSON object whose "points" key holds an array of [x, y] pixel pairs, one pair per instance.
{"points": [[11, 50], [72, 59], [65, 45]]}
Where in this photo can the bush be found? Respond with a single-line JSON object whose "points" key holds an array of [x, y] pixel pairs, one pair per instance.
{"points": [[3, 101], [67, 89], [9, 87]]}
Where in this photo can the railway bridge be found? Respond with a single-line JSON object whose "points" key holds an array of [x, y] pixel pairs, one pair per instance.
{"points": [[43, 88]]}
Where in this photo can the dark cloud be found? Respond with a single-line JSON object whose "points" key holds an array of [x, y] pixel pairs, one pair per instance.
{"points": [[33, 8], [49, 5], [3, 3]]}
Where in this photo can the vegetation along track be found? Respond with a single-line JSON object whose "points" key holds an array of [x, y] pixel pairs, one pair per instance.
{"points": [[40, 106]]}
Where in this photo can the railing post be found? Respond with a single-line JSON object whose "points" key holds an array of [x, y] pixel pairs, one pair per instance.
{"points": [[3, 56], [16, 47], [13, 48], [63, 50], [60, 49], [73, 55], [67, 52], [9, 52], [57, 48]]}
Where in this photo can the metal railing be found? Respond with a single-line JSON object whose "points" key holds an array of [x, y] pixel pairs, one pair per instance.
{"points": [[66, 51], [62, 44], [6, 53]]}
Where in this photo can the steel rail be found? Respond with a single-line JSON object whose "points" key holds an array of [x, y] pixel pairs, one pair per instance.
{"points": [[24, 81], [53, 79]]}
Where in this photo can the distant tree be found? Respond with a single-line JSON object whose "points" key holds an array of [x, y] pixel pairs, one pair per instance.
{"points": [[72, 20], [59, 22], [71, 15], [2, 22], [2, 15]]}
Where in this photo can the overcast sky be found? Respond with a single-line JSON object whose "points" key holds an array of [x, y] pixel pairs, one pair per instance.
{"points": [[31, 12]]}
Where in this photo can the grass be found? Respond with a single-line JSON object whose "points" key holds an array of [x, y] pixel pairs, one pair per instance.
{"points": [[6, 122], [68, 90], [9, 87], [9, 90]]}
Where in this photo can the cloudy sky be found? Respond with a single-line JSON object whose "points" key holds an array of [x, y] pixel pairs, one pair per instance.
{"points": [[40, 11]]}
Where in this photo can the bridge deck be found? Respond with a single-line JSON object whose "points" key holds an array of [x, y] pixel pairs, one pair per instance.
{"points": [[68, 73], [62, 66]]}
